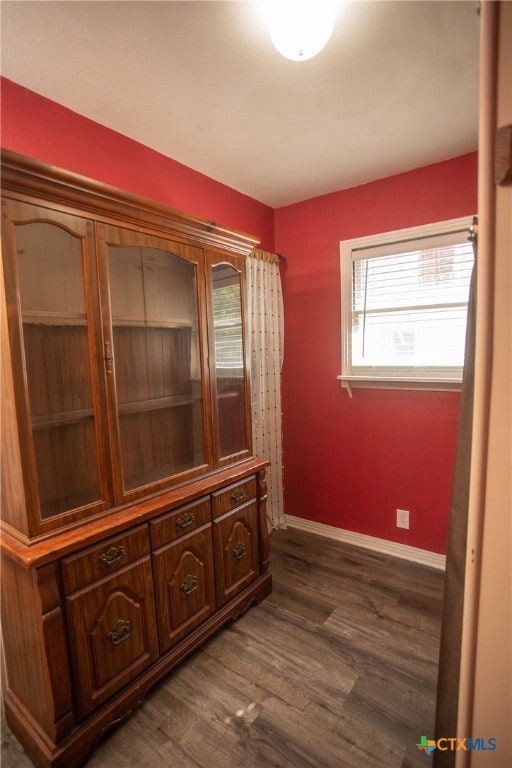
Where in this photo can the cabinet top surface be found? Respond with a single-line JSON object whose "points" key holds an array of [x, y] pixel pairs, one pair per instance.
{"points": [[42, 551]]}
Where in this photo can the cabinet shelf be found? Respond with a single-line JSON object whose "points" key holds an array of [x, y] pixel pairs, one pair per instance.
{"points": [[41, 317], [63, 419], [158, 404], [141, 323]]}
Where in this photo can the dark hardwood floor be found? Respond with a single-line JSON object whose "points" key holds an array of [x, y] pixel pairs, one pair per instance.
{"points": [[336, 669]]}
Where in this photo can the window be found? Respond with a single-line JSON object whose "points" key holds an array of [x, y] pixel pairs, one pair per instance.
{"points": [[227, 321], [404, 306]]}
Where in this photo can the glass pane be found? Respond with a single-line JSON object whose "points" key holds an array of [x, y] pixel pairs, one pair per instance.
{"points": [[418, 338], [50, 271], [409, 310], [157, 363], [229, 364]]}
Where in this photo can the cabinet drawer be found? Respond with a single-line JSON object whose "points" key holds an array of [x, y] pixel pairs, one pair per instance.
{"points": [[233, 496], [183, 520], [100, 560]]}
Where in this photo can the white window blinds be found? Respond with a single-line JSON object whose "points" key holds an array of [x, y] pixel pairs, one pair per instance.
{"points": [[227, 320], [408, 304]]}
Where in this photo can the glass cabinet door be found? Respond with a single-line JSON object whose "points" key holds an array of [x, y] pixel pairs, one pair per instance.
{"points": [[153, 358], [47, 265], [228, 348]]}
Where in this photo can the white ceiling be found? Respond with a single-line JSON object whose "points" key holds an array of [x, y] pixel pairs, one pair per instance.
{"points": [[396, 87]]}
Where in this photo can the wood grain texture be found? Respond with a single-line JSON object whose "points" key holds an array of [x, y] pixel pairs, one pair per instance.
{"points": [[31, 179], [337, 668], [184, 585]]}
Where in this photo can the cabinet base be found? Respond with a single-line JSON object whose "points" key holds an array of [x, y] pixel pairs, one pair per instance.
{"points": [[74, 750]]}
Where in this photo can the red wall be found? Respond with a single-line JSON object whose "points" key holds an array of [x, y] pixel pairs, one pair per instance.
{"points": [[351, 462], [46, 131]]}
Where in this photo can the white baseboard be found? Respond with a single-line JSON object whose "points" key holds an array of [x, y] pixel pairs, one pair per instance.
{"points": [[393, 548]]}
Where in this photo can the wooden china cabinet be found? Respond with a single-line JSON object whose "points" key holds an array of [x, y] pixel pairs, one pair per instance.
{"points": [[133, 510]]}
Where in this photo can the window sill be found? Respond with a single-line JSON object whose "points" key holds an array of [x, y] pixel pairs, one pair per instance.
{"points": [[390, 382]]}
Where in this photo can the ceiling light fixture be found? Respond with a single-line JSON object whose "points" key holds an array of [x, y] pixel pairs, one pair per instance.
{"points": [[299, 29]]}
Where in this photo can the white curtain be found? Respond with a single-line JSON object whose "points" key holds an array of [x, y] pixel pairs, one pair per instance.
{"points": [[265, 325]]}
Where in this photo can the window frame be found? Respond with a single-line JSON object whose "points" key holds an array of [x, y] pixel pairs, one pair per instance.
{"points": [[348, 378]]}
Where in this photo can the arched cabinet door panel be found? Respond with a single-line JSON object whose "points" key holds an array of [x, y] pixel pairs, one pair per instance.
{"points": [[112, 632], [228, 358], [184, 585], [235, 538], [154, 340], [49, 267]]}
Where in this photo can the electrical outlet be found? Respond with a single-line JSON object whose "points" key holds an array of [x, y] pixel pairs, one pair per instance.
{"points": [[402, 518]]}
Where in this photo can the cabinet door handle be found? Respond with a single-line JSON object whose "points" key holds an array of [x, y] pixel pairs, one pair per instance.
{"points": [[185, 520], [239, 550], [190, 584], [120, 631], [111, 557], [109, 357], [237, 495]]}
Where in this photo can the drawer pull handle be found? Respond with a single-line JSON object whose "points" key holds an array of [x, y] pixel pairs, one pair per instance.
{"points": [[185, 520], [120, 631], [237, 495], [111, 557], [190, 584], [239, 550]]}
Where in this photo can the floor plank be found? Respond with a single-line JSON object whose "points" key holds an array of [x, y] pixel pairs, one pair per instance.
{"points": [[336, 669]]}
